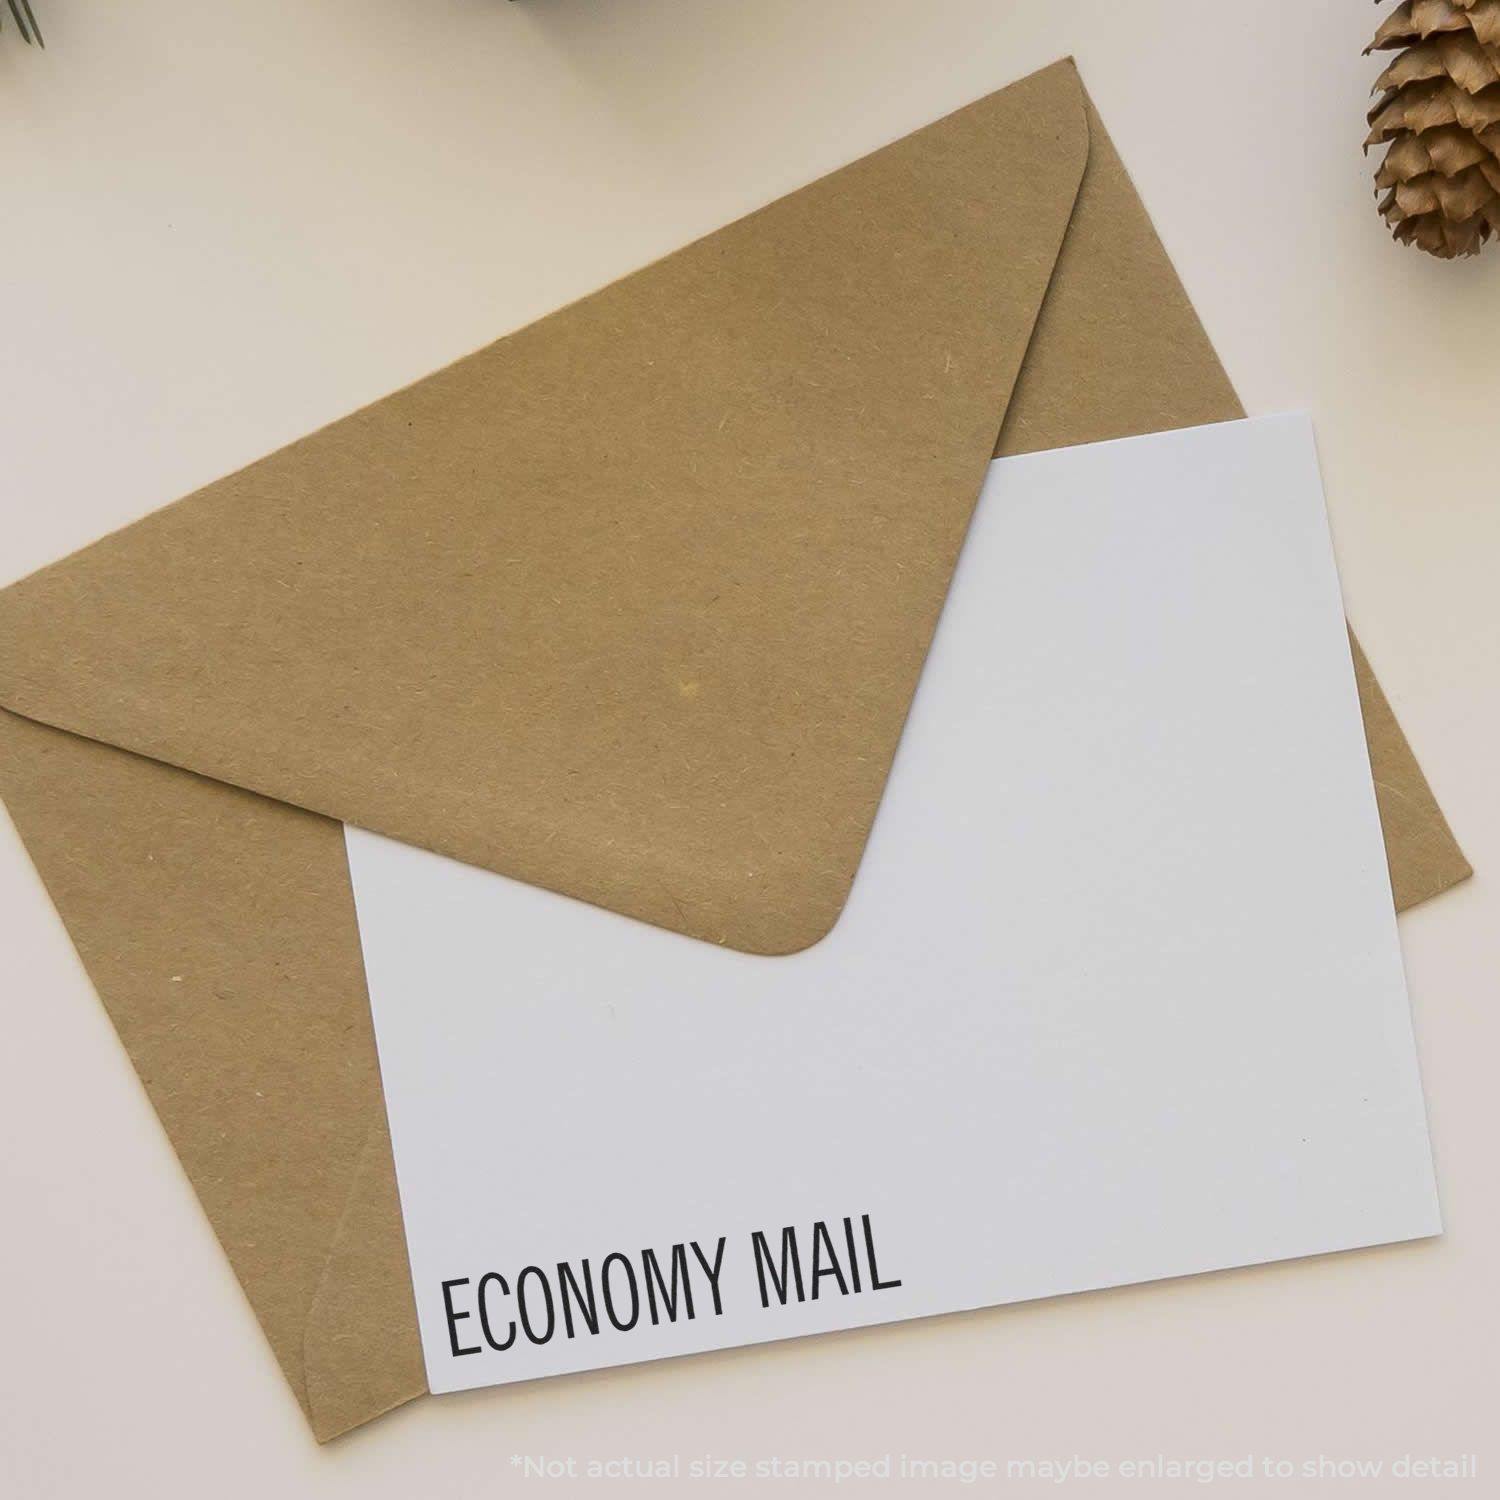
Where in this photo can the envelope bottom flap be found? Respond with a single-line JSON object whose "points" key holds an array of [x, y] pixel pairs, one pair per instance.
{"points": [[218, 929], [361, 1353]]}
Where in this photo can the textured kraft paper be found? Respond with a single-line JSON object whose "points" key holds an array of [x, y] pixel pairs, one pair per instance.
{"points": [[630, 604]]}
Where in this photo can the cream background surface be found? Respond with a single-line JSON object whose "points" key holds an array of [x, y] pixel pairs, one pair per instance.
{"points": [[227, 224]]}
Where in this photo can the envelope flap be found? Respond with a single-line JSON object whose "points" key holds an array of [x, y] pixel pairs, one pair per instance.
{"points": [[360, 1350], [632, 603], [219, 930]]}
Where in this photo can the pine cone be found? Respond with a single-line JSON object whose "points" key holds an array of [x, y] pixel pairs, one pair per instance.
{"points": [[1439, 109]]}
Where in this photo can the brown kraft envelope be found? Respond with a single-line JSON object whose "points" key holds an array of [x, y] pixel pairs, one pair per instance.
{"points": [[630, 604]]}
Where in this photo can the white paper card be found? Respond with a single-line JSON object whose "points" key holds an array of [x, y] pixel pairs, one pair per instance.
{"points": [[1117, 995]]}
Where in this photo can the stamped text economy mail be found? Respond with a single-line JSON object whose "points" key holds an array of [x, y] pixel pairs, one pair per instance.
{"points": [[623, 1291]]}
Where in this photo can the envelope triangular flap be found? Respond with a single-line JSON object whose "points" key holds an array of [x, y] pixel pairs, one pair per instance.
{"points": [[630, 604]]}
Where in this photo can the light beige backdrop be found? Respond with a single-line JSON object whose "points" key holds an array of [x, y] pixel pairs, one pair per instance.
{"points": [[226, 224]]}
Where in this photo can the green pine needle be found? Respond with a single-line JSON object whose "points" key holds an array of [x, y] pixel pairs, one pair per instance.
{"points": [[20, 13]]}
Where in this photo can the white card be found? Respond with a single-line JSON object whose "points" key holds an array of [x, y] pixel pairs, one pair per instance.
{"points": [[1117, 994]]}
